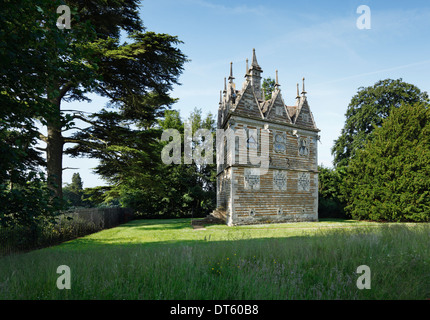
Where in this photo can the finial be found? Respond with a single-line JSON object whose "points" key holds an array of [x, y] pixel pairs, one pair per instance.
{"points": [[230, 78], [303, 92], [277, 85], [254, 64], [298, 94], [225, 85], [220, 97], [254, 58], [264, 94], [247, 74]]}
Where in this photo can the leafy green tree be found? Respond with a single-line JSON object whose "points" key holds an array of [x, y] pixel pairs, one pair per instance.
{"points": [[367, 110], [48, 66], [268, 85], [76, 184], [174, 190], [24, 54], [43, 66], [28, 205], [73, 192], [389, 178], [21, 53], [331, 201]]}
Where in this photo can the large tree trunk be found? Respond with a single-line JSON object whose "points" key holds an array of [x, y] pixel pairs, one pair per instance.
{"points": [[54, 155]]}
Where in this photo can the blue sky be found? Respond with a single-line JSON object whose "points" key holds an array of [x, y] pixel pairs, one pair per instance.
{"points": [[318, 40]]}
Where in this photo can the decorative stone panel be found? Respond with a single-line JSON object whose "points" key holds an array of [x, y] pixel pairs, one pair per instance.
{"points": [[252, 179], [304, 181], [279, 180]]}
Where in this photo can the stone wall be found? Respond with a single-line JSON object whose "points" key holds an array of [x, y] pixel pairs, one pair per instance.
{"points": [[278, 196], [287, 192]]}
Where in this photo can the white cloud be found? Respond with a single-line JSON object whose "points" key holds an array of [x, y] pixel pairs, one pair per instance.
{"points": [[410, 65]]}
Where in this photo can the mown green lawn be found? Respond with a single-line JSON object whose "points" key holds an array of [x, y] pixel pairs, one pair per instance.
{"points": [[168, 259]]}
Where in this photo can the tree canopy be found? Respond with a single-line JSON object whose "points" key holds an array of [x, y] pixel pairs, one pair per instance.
{"points": [[331, 202], [367, 110], [73, 192], [52, 65], [174, 190], [107, 51], [389, 178], [268, 85], [25, 47]]}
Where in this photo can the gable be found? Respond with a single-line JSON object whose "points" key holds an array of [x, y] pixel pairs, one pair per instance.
{"points": [[247, 103], [304, 116], [277, 111]]}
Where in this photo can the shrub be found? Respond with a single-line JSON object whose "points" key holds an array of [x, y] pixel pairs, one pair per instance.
{"points": [[28, 205]]}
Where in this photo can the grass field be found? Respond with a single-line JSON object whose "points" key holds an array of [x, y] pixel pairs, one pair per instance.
{"points": [[168, 259]]}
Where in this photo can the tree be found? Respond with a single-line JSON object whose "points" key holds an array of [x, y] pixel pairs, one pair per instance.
{"points": [[66, 65], [389, 178], [174, 190], [331, 202], [367, 110], [25, 199], [21, 53], [136, 77], [269, 86], [76, 184], [73, 192]]}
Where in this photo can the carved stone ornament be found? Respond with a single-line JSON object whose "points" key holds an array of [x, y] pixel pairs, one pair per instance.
{"points": [[304, 181], [252, 179], [279, 180]]}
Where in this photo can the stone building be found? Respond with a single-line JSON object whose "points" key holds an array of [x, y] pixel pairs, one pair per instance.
{"points": [[286, 136]]}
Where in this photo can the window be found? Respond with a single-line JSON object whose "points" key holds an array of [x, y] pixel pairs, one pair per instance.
{"points": [[280, 142], [303, 147], [305, 117], [252, 143]]}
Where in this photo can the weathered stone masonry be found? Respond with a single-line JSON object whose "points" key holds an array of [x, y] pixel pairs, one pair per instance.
{"points": [[289, 190]]}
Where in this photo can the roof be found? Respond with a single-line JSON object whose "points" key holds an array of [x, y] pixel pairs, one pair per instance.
{"points": [[251, 101]]}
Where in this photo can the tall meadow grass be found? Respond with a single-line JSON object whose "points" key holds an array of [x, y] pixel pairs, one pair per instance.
{"points": [[317, 265]]}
